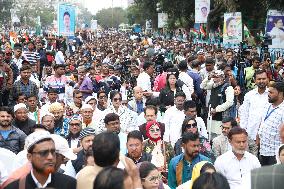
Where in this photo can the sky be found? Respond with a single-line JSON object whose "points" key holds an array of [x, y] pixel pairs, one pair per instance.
{"points": [[95, 5]]}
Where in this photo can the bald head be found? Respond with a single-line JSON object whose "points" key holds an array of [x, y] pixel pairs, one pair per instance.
{"points": [[138, 93]]}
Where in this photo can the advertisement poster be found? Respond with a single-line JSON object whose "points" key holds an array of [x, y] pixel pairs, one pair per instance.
{"points": [[232, 30], [275, 28], [162, 20], [202, 9], [94, 25], [66, 20]]}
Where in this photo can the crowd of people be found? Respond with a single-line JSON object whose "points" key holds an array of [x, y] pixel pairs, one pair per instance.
{"points": [[112, 111]]}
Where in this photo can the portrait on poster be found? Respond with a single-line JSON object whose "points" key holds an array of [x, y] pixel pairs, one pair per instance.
{"points": [[66, 20], [232, 30], [202, 9], [275, 28]]}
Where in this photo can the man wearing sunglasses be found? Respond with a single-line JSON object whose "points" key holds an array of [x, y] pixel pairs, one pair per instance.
{"points": [[42, 156]]}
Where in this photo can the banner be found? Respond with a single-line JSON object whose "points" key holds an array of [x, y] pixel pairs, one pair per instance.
{"points": [[232, 30], [94, 25], [66, 20], [202, 9], [162, 20], [275, 28]]}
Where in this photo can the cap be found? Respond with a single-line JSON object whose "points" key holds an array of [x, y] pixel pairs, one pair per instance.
{"points": [[87, 132], [89, 98], [62, 147], [45, 113], [76, 117], [86, 106], [218, 73], [35, 137], [200, 51], [19, 106]]}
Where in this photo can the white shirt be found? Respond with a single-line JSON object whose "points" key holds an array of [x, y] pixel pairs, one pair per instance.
{"points": [[173, 120], [59, 58], [70, 170], [38, 183], [276, 33], [144, 81], [188, 82], [237, 171], [201, 127], [251, 110]]}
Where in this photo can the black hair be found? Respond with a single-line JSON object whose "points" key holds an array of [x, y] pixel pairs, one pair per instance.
{"points": [[182, 65], [66, 14], [167, 65], [135, 135], [89, 153], [258, 72], [195, 64], [7, 109], [109, 178], [255, 58], [154, 101], [38, 126], [18, 95], [279, 86], [75, 92], [32, 95], [111, 117], [211, 181], [145, 168], [106, 148], [207, 166], [188, 136], [276, 20], [189, 104], [113, 93], [30, 150], [233, 121], [146, 65], [172, 71], [25, 67], [151, 107], [184, 124], [280, 149], [236, 131], [209, 61], [228, 21], [180, 93], [53, 90], [100, 92]]}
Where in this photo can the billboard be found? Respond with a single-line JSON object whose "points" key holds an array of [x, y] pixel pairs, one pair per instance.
{"points": [[66, 19], [202, 9], [275, 28], [232, 30], [162, 20], [94, 25]]}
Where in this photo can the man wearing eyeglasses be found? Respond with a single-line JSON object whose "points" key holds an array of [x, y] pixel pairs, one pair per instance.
{"points": [[221, 143], [42, 155]]}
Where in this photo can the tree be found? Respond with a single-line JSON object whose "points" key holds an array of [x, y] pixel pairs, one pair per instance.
{"points": [[111, 17]]}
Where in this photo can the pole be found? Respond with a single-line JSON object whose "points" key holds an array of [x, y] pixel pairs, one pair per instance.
{"points": [[209, 123], [111, 13]]}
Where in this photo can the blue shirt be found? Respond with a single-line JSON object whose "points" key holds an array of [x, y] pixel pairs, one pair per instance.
{"points": [[186, 170]]}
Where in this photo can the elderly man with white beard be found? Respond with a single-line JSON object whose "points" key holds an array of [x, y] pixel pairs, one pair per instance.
{"points": [[221, 100]]}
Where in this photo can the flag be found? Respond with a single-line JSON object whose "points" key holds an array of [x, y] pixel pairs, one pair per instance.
{"points": [[13, 38], [247, 33], [202, 30], [194, 32], [26, 37]]}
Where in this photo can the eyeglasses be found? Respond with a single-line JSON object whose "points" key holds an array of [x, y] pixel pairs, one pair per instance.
{"points": [[75, 124], [193, 125], [102, 97], [117, 99], [45, 153], [153, 178], [155, 130]]}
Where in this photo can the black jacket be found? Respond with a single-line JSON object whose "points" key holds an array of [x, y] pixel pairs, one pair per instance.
{"points": [[25, 126], [58, 181]]}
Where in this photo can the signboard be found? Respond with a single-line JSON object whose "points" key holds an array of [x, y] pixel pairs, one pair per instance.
{"points": [[275, 28], [94, 25], [202, 9], [162, 20], [66, 19], [232, 30]]}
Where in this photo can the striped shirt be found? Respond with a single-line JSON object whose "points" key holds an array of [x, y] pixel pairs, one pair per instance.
{"points": [[56, 83], [28, 89], [269, 129], [32, 57]]}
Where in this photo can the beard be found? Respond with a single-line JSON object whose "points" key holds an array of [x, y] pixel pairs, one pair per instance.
{"points": [[74, 136], [45, 170], [237, 151], [5, 124], [271, 100], [261, 85]]}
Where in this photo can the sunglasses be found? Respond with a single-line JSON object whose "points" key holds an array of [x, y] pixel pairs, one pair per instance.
{"points": [[75, 124], [193, 125], [45, 153], [117, 99]]}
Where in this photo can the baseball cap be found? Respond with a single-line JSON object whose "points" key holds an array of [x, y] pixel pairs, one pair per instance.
{"points": [[62, 147]]}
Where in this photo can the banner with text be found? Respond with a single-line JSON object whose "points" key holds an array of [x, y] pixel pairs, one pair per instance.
{"points": [[66, 19], [202, 8], [232, 30]]}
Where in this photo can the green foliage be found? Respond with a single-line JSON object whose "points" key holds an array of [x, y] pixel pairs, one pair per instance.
{"points": [[108, 18]]}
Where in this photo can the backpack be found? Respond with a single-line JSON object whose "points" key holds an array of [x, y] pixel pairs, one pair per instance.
{"points": [[230, 112]]}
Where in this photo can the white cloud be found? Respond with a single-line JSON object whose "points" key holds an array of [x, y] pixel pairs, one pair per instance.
{"points": [[95, 5]]}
